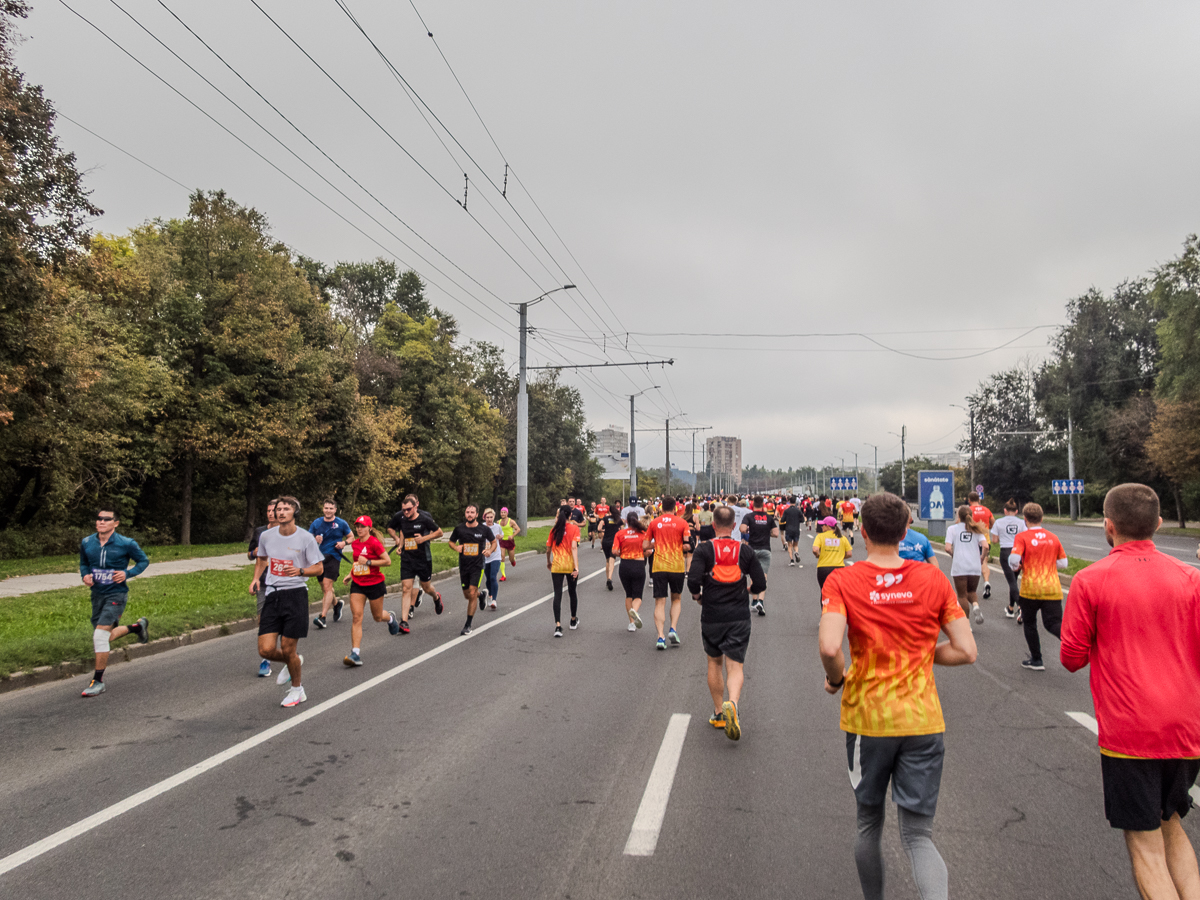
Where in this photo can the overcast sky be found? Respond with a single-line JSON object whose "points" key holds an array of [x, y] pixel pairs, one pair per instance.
{"points": [[942, 177]]}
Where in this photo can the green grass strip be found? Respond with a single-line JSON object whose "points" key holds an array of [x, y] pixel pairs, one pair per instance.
{"points": [[53, 565]]}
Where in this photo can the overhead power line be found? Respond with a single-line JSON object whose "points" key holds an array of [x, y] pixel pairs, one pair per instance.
{"points": [[63, 115]]}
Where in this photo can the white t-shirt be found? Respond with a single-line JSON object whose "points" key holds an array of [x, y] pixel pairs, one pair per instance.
{"points": [[1006, 530], [739, 513], [299, 548], [857, 504], [640, 510], [495, 555], [966, 544]]}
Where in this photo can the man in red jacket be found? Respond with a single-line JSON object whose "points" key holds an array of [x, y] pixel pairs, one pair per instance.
{"points": [[1135, 617]]}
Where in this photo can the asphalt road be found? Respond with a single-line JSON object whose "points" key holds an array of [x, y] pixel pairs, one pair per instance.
{"points": [[512, 764]]}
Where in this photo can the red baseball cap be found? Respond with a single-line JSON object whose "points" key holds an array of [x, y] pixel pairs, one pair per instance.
{"points": [[364, 520]]}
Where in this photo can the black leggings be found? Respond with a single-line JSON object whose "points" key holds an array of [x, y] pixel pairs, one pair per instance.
{"points": [[823, 573], [557, 578], [633, 577], [1051, 618], [1014, 591]]}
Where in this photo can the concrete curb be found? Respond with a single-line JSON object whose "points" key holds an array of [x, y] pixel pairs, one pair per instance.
{"points": [[131, 652]]}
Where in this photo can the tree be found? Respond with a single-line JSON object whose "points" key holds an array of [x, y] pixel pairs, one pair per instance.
{"points": [[1173, 447], [1176, 298]]}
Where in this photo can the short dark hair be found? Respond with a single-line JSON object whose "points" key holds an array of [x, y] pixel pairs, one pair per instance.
{"points": [[290, 501], [973, 497], [885, 518], [109, 509], [723, 517], [1033, 512], [757, 501], [329, 501], [668, 504], [1134, 510], [410, 498], [1010, 505]]}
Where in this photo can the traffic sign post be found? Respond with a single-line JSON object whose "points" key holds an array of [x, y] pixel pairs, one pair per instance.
{"points": [[979, 491], [935, 500]]}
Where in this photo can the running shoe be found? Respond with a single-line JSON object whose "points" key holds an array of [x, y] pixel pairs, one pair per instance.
{"points": [[294, 697], [558, 631], [660, 644], [483, 595], [717, 720], [96, 687], [791, 562], [416, 602], [987, 590], [733, 727], [337, 610], [632, 627], [354, 659], [404, 629], [437, 602], [674, 638], [609, 583], [1035, 665], [1009, 613], [143, 630], [319, 621], [574, 622], [393, 623], [504, 578], [758, 608], [978, 615], [466, 629], [492, 605], [1019, 618], [285, 676], [264, 669], [635, 619]]}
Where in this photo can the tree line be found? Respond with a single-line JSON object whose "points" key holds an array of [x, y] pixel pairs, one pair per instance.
{"points": [[189, 369]]}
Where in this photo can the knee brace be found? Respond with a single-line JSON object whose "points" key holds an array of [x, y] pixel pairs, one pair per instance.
{"points": [[100, 639]]}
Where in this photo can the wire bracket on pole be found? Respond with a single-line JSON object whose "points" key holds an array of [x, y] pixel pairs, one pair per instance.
{"points": [[608, 365], [466, 185], [504, 192]]}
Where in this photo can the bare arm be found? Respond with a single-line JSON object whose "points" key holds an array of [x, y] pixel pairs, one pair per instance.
{"points": [[960, 649], [829, 639]]}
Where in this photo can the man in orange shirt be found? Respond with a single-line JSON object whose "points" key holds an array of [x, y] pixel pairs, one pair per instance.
{"points": [[847, 511], [666, 536], [894, 610], [1038, 556], [981, 513]]}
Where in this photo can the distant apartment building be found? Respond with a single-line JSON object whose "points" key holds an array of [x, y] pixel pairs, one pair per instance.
{"points": [[723, 458], [611, 441], [953, 459]]}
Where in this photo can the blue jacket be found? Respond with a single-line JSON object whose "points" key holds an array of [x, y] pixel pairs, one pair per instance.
{"points": [[330, 533], [114, 555]]}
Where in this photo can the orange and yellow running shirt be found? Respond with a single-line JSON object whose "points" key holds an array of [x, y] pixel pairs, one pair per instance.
{"points": [[846, 508], [894, 618], [669, 533], [1040, 552], [982, 514], [628, 544], [561, 558]]}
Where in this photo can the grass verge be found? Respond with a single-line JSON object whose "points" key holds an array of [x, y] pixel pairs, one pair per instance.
{"points": [[52, 565], [49, 627]]}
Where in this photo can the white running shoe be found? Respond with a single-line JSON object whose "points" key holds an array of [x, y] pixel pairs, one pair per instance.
{"points": [[635, 619], [978, 615], [294, 697], [285, 677], [632, 627], [492, 605]]}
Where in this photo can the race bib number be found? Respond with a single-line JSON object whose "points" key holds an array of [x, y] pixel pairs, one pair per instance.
{"points": [[470, 549], [360, 568], [103, 576], [410, 543], [277, 566]]}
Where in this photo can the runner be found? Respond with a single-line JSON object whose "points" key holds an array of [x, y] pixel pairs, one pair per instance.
{"points": [[982, 514], [916, 546], [890, 709], [367, 585], [412, 531], [689, 545], [1005, 530], [287, 557], [848, 511], [831, 549], [668, 536], [1146, 688], [704, 519], [610, 525], [264, 665], [717, 581], [495, 559], [966, 542], [593, 523], [472, 541], [633, 506], [330, 533], [578, 513], [758, 528], [104, 559], [509, 529], [562, 559], [810, 512], [793, 515], [629, 546], [1038, 556]]}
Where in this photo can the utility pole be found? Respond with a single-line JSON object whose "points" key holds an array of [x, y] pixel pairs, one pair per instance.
{"points": [[1071, 460], [633, 444], [903, 480], [973, 481], [876, 449]]}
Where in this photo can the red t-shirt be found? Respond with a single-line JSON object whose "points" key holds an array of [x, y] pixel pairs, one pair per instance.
{"points": [[982, 514], [1135, 616], [1040, 552], [669, 532], [628, 544], [367, 575]]}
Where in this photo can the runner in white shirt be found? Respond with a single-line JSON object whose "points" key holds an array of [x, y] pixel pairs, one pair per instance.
{"points": [[1005, 531], [966, 542]]}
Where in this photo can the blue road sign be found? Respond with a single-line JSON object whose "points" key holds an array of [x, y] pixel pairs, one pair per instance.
{"points": [[843, 484], [935, 494], [1067, 486]]}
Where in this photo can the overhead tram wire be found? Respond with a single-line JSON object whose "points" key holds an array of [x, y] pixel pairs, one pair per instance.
{"points": [[245, 144], [63, 115]]}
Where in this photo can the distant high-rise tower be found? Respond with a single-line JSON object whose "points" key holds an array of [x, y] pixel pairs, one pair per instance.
{"points": [[723, 458]]}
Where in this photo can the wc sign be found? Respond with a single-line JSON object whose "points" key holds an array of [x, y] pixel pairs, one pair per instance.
{"points": [[935, 494]]}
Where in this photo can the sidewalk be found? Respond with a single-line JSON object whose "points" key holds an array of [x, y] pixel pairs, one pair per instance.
{"points": [[30, 584]]}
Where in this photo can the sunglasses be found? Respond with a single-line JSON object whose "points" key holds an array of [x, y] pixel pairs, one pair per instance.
{"points": [[406, 508], [106, 518]]}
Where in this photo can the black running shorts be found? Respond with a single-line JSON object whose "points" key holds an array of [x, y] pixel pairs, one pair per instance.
{"points": [[285, 612], [632, 574], [468, 576], [370, 591], [1141, 794], [333, 568], [416, 569], [667, 583], [606, 546], [730, 639], [792, 535]]}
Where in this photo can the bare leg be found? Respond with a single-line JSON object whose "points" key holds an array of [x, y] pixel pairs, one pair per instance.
{"points": [[327, 596], [716, 681], [733, 679], [676, 609], [284, 653], [1181, 859], [406, 599], [357, 602], [660, 615], [472, 595]]}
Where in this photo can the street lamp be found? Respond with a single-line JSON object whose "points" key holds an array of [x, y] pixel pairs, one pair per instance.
{"points": [[523, 413], [903, 433], [875, 447], [633, 445]]}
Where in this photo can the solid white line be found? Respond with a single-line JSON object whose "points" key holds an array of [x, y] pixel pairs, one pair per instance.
{"points": [[46, 844], [1094, 727], [643, 836]]}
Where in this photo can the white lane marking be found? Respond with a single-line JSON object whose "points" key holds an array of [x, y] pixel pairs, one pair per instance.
{"points": [[643, 836], [1094, 727], [46, 844], [1091, 546]]}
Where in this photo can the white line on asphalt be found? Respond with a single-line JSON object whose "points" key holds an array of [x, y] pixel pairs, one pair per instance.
{"points": [[643, 836], [46, 844], [1094, 727]]}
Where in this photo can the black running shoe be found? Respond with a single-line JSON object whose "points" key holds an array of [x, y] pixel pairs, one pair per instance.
{"points": [[319, 621], [403, 627], [1035, 665], [337, 611], [437, 603], [143, 634], [610, 587]]}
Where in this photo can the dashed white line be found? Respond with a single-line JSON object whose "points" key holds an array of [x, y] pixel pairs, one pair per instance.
{"points": [[46, 844], [1093, 726], [643, 836]]}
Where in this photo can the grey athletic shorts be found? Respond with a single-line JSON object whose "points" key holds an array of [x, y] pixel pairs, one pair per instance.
{"points": [[108, 608], [764, 560], [913, 764]]}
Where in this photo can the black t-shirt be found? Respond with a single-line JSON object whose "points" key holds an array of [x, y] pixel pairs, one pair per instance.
{"points": [[473, 539], [791, 517], [257, 534], [577, 515], [612, 524], [422, 525], [760, 524]]}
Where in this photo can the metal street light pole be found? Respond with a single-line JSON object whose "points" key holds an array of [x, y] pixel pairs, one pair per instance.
{"points": [[633, 444], [903, 483], [970, 410], [523, 414], [876, 449]]}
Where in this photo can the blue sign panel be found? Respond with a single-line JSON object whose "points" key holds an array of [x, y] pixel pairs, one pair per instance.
{"points": [[844, 484], [1067, 486], [935, 495]]}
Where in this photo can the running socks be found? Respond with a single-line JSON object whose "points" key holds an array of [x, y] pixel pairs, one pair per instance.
{"points": [[99, 676], [468, 625]]}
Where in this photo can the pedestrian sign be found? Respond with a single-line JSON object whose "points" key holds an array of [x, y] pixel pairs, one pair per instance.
{"points": [[849, 483], [1067, 486], [935, 493]]}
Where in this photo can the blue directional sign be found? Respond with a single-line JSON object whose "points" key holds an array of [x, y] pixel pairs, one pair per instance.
{"points": [[1067, 486], [935, 494], [844, 484]]}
